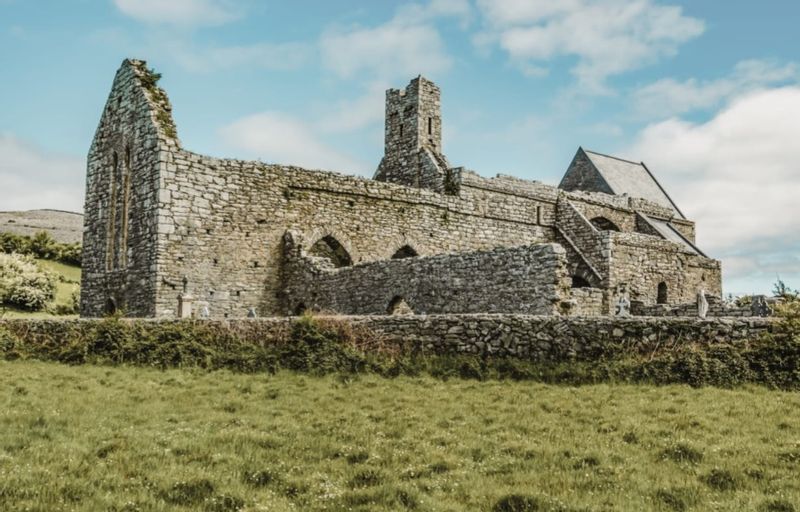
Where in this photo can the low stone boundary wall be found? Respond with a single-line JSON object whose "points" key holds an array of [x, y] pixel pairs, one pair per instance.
{"points": [[537, 338]]}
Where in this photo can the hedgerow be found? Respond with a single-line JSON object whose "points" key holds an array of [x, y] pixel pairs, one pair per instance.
{"points": [[323, 346], [41, 245]]}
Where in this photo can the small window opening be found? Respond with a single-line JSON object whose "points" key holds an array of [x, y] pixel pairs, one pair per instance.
{"points": [[430, 126], [111, 306], [603, 224], [579, 282], [661, 297], [299, 309]]}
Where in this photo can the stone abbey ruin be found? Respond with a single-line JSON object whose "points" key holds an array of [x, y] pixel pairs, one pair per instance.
{"points": [[170, 233]]}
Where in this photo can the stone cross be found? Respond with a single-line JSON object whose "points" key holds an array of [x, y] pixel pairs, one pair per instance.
{"points": [[759, 306], [623, 306]]}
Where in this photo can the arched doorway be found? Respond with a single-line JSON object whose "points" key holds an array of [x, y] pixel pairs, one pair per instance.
{"points": [[404, 252], [398, 306]]}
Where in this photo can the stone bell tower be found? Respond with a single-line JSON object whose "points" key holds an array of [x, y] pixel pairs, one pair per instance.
{"points": [[413, 139]]}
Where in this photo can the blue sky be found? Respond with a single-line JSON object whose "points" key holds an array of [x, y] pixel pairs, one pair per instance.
{"points": [[707, 93]]}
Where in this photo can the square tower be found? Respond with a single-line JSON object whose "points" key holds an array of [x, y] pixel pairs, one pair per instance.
{"points": [[413, 138]]}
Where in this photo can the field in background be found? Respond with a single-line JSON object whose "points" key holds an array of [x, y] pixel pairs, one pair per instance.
{"points": [[64, 227], [69, 281], [118, 438]]}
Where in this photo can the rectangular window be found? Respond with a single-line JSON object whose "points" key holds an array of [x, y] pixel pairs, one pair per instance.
{"points": [[430, 126]]}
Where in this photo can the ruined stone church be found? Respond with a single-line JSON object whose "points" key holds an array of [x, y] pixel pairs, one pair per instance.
{"points": [[171, 233]]}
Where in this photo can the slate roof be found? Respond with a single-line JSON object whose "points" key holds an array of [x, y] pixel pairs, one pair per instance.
{"points": [[634, 179], [670, 233]]}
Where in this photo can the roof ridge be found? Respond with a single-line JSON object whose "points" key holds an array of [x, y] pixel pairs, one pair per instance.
{"points": [[614, 157], [658, 184]]}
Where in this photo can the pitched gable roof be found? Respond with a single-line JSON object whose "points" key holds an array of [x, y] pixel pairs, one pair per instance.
{"points": [[619, 176]]}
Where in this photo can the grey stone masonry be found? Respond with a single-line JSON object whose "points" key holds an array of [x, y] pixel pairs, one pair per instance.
{"points": [[413, 139], [163, 224], [527, 279], [123, 188], [535, 338]]}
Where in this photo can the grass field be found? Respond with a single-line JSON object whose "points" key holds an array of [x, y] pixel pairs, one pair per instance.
{"points": [[71, 281], [117, 438]]}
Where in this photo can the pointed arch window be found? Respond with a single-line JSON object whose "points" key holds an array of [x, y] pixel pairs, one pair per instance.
{"points": [[329, 248]]}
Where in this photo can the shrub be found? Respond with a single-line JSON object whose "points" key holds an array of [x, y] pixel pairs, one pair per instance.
{"points": [[188, 493], [41, 245], [682, 452], [517, 503], [720, 480], [24, 284], [318, 350], [775, 358]]}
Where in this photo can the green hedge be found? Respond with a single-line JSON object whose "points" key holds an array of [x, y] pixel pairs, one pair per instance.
{"points": [[41, 245], [319, 346]]}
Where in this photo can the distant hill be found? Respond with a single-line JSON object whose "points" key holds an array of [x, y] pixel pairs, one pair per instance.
{"points": [[65, 227]]}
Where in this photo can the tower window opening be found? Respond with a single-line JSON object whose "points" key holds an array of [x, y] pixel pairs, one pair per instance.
{"points": [[661, 297], [430, 126]]}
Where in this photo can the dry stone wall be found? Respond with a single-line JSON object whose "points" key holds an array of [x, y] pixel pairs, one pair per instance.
{"points": [[527, 279], [536, 338]]}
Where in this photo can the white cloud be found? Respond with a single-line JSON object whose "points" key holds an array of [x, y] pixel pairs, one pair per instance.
{"points": [[271, 56], [33, 178], [388, 51], [351, 115], [420, 13], [280, 138], [180, 12], [670, 97], [608, 37], [737, 175], [409, 44]]}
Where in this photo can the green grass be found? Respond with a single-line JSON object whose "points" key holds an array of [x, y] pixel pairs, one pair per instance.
{"points": [[121, 438], [69, 282]]}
